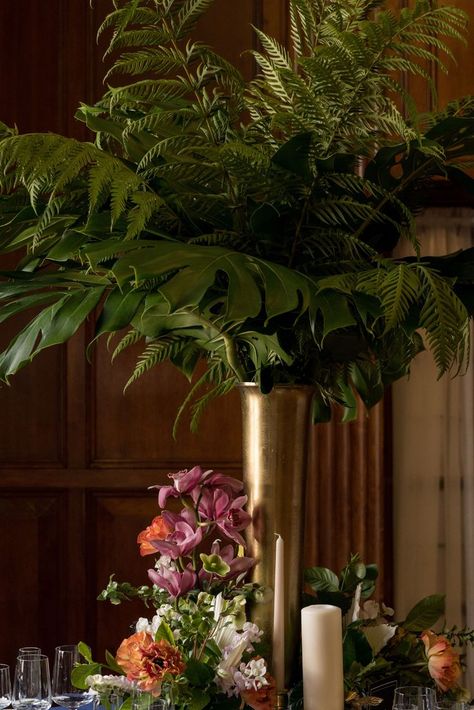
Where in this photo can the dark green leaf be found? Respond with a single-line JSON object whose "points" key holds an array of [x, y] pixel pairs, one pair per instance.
{"points": [[322, 579], [294, 155], [199, 674], [425, 613], [356, 649], [81, 672], [164, 633]]}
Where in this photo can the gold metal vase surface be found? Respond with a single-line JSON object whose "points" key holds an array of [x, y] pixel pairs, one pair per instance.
{"points": [[275, 448]]}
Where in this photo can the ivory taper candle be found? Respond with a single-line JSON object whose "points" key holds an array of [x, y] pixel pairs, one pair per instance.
{"points": [[278, 649], [321, 634]]}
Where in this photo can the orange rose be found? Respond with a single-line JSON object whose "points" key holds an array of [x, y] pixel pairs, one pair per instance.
{"points": [[147, 662], [443, 661], [158, 530]]}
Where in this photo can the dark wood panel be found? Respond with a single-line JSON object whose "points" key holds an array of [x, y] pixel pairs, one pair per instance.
{"points": [[140, 430], [114, 521], [460, 79], [30, 84], [227, 28], [32, 421], [34, 569]]}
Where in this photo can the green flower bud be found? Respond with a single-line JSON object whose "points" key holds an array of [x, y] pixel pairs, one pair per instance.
{"points": [[214, 564]]}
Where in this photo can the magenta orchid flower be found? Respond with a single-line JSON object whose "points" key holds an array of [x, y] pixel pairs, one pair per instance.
{"points": [[184, 537], [176, 583], [191, 482], [217, 506], [183, 483]]}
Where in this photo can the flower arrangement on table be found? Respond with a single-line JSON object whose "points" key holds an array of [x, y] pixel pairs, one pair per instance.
{"points": [[198, 650], [380, 652]]}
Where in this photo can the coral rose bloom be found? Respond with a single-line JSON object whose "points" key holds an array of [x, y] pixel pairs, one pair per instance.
{"points": [[147, 662], [158, 530], [443, 661]]}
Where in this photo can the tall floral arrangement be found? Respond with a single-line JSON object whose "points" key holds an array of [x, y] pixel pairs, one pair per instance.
{"points": [[198, 649]]}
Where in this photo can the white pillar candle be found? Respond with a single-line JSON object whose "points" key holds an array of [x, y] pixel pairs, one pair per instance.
{"points": [[323, 681], [278, 648]]}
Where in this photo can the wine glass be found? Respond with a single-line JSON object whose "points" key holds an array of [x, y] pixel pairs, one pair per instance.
{"points": [[29, 651], [64, 692], [413, 697], [31, 684], [5, 686]]}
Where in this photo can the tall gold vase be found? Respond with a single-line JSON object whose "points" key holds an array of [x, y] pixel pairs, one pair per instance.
{"points": [[275, 447]]}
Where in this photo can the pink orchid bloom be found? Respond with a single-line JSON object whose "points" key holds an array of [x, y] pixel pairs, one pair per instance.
{"points": [[184, 535], [238, 565], [227, 513], [218, 480], [190, 483], [176, 583], [183, 483]]}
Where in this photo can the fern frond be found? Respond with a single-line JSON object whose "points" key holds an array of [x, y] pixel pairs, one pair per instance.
{"points": [[200, 405], [130, 338], [444, 319], [155, 353], [189, 14], [147, 203]]}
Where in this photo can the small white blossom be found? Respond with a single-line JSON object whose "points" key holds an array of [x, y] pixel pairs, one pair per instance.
{"points": [[142, 625], [106, 683], [165, 561], [251, 633], [164, 613], [370, 610], [251, 675]]}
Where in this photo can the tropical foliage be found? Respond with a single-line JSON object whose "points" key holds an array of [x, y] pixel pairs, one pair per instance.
{"points": [[248, 223]]}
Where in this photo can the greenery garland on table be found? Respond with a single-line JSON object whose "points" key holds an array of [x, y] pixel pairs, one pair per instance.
{"points": [[248, 223]]}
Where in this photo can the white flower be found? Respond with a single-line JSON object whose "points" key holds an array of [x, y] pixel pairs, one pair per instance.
{"points": [[106, 683], [228, 666], [354, 612], [251, 633], [165, 612], [251, 675], [379, 635], [143, 625], [370, 610], [165, 561]]}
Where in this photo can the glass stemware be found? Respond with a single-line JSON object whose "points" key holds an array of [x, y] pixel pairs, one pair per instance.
{"points": [[64, 692], [32, 684], [414, 697], [5, 686], [29, 651]]}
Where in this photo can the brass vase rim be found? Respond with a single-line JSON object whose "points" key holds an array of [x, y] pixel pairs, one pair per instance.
{"points": [[283, 385]]}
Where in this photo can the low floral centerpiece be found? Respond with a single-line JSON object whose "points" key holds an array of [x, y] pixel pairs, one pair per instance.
{"points": [[381, 653], [198, 649]]}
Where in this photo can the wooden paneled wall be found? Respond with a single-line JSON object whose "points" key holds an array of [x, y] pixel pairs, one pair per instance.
{"points": [[76, 454]]}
